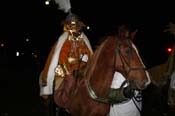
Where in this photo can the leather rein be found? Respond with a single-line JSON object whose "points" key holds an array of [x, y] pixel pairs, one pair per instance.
{"points": [[118, 52]]}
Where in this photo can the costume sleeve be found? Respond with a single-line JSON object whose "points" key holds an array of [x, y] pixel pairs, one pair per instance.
{"points": [[46, 67]]}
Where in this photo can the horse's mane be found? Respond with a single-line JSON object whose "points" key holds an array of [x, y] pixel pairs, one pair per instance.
{"points": [[101, 40], [101, 67], [92, 62]]}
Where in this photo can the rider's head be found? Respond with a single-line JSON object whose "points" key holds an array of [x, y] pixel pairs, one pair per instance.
{"points": [[73, 24]]}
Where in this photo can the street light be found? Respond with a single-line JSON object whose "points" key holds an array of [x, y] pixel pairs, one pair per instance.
{"points": [[47, 2]]}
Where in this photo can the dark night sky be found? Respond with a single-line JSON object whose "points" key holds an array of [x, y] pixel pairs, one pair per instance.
{"points": [[41, 24]]}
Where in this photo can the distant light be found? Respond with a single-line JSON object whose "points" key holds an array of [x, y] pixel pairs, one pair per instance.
{"points": [[27, 40], [47, 2], [169, 50], [35, 56], [17, 53], [88, 27], [2, 45]]}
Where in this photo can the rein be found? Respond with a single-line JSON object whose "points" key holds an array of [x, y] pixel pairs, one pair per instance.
{"points": [[87, 81], [112, 99], [93, 95]]}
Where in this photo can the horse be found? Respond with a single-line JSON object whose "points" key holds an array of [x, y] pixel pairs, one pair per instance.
{"points": [[91, 93], [161, 76]]}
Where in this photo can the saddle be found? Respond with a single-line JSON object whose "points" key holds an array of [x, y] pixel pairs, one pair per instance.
{"points": [[62, 94]]}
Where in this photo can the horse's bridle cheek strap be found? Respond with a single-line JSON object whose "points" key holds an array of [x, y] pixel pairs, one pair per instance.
{"points": [[123, 69], [116, 65]]}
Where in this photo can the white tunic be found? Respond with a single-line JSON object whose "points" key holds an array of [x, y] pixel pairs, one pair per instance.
{"points": [[127, 108]]}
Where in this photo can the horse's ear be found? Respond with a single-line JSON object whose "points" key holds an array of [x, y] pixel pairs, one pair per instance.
{"points": [[132, 34]]}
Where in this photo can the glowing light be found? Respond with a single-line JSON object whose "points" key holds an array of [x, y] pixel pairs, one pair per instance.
{"points": [[2, 45], [27, 40], [35, 56], [88, 27], [47, 2], [169, 50], [17, 53]]}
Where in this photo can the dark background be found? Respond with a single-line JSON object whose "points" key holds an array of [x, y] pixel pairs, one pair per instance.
{"points": [[41, 25]]}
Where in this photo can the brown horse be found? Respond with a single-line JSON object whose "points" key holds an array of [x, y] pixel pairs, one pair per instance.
{"points": [[162, 76], [89, 94]]}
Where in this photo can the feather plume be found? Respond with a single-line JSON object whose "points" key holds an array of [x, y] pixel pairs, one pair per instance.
{"points": [[64, 5]]}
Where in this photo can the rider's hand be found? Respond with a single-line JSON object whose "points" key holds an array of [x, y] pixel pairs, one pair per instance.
{"points": [[128, 92]]}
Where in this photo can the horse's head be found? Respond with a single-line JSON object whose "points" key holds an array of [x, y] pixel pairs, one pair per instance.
{"points": [[129, 63], [115, 54]]}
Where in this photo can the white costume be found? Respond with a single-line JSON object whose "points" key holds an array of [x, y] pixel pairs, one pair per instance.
{"points": [[128, 108], [48, 89], [172, 82], [171, 90]]}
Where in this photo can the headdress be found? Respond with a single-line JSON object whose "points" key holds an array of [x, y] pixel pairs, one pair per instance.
{"points": [[72, 22]]}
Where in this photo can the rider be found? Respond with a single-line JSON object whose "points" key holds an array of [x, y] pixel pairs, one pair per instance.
{"points": [[70, 53]]}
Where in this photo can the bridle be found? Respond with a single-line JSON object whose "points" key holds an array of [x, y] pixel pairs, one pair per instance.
{"points": [[126, 73], [124, 62]]}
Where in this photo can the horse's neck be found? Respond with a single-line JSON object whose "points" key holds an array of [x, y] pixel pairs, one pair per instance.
{"points": [[93, 63], [101, 68]]}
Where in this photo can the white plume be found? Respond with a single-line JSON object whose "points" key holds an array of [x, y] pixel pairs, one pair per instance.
{"points": [[64, 5]]}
